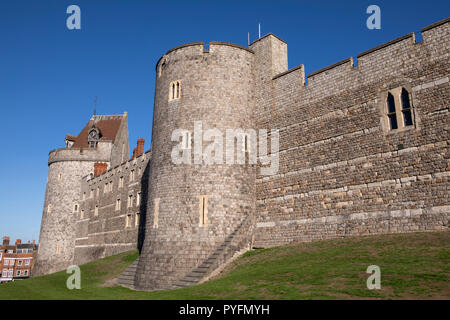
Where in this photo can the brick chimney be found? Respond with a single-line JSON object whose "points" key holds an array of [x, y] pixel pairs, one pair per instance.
{"points": [[18, 241], [6, 241], [100, 168], [139, 150]]}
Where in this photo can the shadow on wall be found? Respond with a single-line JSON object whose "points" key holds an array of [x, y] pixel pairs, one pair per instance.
{"points": [[143, 206]]}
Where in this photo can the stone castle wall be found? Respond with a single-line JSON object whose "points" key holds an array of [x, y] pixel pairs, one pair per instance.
{"points": [[341, 172], [101, 227]]}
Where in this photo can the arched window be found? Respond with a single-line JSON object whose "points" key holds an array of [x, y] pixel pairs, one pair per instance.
{"points": [[175, 90], [406, 108], [391, 112]]}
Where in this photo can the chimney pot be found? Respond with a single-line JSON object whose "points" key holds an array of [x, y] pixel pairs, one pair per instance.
{"points": [[6, 241], [140, 147], [100, 168]]}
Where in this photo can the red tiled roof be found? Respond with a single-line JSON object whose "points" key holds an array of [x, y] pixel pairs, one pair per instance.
{"points": [[108, 125], [70, 137]]}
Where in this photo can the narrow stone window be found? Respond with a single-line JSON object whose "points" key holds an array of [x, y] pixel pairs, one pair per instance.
{"points": [[98, 192], [106, 188], [121, 182], [174, 90], [84, 196], [128, 221], [96, 211], [82, 214], [203, 211], [59, 177], [392, 115], [130, 201], [138, 199], [58, 248], [49, 208], [136, 219], [155, 212], [75, 207], [406, 108], [131, 175], [111, 186], [117, 204], [91, 195]]}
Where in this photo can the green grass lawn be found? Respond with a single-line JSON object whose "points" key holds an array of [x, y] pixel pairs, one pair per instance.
{"points": [[413, 266]]}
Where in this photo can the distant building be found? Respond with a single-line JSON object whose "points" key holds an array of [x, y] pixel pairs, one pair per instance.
{"points": [[16, 261]]}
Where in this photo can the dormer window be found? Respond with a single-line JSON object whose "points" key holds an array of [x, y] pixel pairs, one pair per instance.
{"points": [[93, 137], [69, 143]]}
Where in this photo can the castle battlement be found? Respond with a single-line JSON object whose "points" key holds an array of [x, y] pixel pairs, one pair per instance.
{"points": [[371, 64], [123, 167]]}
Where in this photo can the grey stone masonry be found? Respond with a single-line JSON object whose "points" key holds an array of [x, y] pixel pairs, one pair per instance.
{"points": [[343, 172], [103, 227]]}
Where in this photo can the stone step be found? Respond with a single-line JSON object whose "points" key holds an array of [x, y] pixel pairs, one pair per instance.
{"points": [[126, 279], [192, 279], [129, 272], [223, 252]]}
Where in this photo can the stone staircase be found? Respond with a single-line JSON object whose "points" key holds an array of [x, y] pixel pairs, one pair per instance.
{"points": [[126, 279], [235, 242], [239, 239]]}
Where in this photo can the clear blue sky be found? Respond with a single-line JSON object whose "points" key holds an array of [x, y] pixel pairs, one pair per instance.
{"points": [[49, 75]]}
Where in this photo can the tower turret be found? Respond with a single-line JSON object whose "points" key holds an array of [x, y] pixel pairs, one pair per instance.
{"points": [[194, 208], [100, 141]]}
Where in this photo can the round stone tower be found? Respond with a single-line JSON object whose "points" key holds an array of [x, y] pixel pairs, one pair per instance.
{"points": [[104, 139], [195, 209], [66, 169]]}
